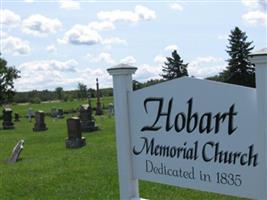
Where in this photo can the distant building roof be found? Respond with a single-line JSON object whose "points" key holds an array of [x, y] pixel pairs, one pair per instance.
{"points": [[260, 52]]}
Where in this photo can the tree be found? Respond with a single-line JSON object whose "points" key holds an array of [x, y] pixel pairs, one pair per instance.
{"points": [[174, 68], [240, 70], [59, 93], [7, 77], [137, 85], [91, 92], [82, 91]]}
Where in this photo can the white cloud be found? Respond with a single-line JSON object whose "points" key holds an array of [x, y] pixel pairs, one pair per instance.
{"points": [[39, 25], [96, 72], [159, 60], [255, 17], [46, 74], [203, 67], [144, 13], [50, 65], [29, 1], [255, 4], [101, 26], [146, 72], [15, 45], [256, 14], [69, 4], [34, 80], [130, 60], [104, 79], [140, 13], [9, 18], [86, 35], [51, 48], [80, 34], [171, 47], [177, 7], [49, 74], [102, 57]]}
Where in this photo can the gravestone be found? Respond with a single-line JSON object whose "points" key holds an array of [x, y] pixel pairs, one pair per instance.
{"points": [[110, 109], [16, 152], [60, 113], [39, 121], [75, 139], [30, 114], [86, 118], [98, 110], [54, 113], [17, 117], [7, 119]]}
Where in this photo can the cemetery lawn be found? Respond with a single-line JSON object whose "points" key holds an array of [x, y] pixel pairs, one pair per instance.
{"points": [[47, 170]]}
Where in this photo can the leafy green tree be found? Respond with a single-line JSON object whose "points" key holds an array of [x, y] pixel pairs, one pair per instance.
{"points": [[137, 85], [240, 70], [174, 67], [59, 93], [92, 92], [7, 77], [82, 91]]}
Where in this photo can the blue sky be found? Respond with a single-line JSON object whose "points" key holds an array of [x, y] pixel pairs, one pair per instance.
{"points": [[61, 43]]}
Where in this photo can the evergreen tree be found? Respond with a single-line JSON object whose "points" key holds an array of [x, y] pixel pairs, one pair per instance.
{"points": [[240, 70], [174, 67], [7, 76]]}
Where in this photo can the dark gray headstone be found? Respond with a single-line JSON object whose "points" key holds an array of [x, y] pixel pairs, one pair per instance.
{"points": [[54, 112], [16, 117], [16, 152], [87, 120], [39, 121], [30, 114], [7, 119], [60, 113], [75, 139], [110, 109]]}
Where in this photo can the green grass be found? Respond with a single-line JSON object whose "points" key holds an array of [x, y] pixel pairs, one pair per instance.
{"points": [[47, 170]]}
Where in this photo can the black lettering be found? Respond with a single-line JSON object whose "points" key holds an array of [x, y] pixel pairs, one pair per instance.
{"points": [[176, 122], [205, 123], [160, 113], [145, 146], [204, 154], [191, 117], [232, 113]]}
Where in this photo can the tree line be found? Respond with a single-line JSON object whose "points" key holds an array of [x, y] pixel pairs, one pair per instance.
{"points": [[239, 71], [81, 92]]}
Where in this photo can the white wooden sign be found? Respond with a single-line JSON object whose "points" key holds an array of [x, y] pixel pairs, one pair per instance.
{"points": [[192, 133], [198, 134]]}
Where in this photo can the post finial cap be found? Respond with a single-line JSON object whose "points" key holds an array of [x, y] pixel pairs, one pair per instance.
{"points": [[122, 69]]}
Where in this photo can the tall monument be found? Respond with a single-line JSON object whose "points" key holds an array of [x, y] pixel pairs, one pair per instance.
{"points": [[98, 110]]}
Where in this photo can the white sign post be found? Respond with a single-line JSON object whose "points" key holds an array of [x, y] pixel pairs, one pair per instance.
{"points": [[192, 133], [122, 85], [260, 60]]}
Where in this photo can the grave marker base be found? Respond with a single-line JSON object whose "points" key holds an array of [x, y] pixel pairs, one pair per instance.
{"points": [[75, 143]]}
